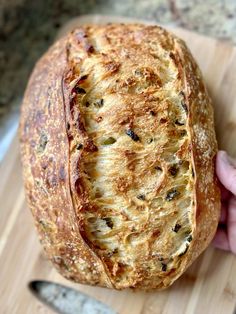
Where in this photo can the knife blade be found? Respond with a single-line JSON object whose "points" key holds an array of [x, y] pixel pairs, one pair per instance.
{"points": [[65, 300]]}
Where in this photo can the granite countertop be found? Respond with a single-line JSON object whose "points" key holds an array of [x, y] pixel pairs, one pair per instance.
{"points": [[27, 28]]}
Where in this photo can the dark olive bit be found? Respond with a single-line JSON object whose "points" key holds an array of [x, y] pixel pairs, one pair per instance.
{"points": [[79, 146], [99, 103], [184, 107], [173, 170], [79, 90], [109, 222], [141, 197], [163, 267], [177, 122], [189, 238], [176, 228], [172, 194], [132, 135]]}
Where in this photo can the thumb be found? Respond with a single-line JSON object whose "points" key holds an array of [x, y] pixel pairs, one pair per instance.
{"points": [[231, 224], [226, 171]]}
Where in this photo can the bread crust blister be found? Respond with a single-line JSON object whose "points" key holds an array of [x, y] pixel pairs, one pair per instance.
{"points": [[118, 147]]}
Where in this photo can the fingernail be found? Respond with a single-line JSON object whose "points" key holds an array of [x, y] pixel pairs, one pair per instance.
{"points": [[223, 155], [226, 158]]}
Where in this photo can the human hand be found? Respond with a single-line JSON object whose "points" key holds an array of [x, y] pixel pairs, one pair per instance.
{"points": [[225, 237]]}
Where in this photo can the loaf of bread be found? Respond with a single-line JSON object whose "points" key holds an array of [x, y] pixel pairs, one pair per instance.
{"points": [[118, 148]]}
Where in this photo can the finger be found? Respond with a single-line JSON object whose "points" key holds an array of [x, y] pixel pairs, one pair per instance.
{"points": [[220, 240], [232, 161], [231, 224], [225, 194], [226, 172], [223, 214]]}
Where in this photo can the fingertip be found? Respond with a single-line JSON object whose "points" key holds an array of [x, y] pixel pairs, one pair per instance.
{"points": [[231, 223], [223, 214], [221, 158], [226, 171], [220, 240], [221, 153]]}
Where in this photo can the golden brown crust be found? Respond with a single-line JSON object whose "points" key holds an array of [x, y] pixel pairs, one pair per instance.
{"points": [[118, 146], [46, 176]]}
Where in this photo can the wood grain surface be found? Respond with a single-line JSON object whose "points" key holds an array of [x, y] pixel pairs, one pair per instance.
{"points": [[208, 286]]}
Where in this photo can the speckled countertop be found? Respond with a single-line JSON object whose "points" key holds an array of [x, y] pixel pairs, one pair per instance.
{"points": [[28, 27]]}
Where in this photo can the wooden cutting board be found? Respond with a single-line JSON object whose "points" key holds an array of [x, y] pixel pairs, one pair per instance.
{"points": [[209, 285]]}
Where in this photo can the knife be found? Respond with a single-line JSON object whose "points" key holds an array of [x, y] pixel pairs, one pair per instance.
{"points": [[65, 300]]}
